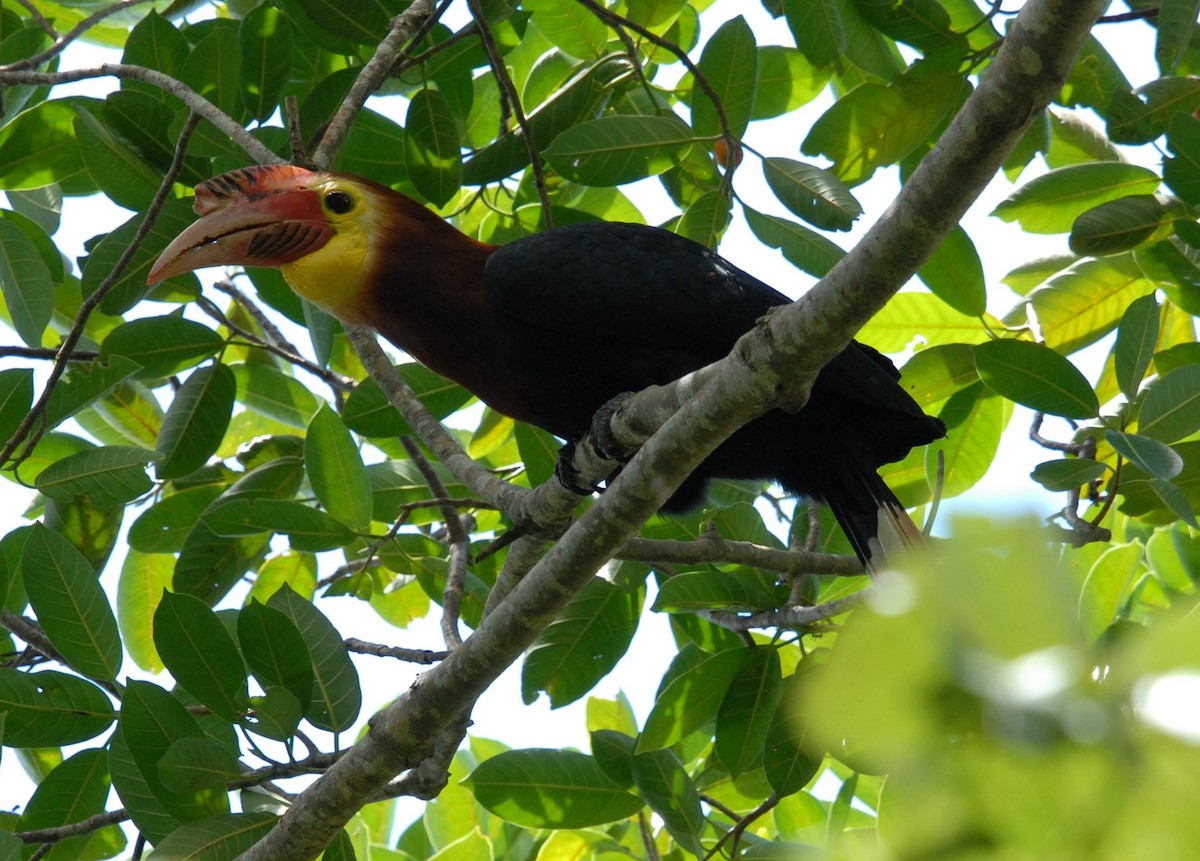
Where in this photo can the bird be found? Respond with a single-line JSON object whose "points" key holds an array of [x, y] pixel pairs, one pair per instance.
{"points": [[548, 328]]}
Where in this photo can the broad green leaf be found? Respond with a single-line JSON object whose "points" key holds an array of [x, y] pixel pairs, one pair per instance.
{"points": [[1171, 410], [1024, 278], [213, 69], [615, 150], [161, 345], [1176, 500], [38, 147], [1121, 225], [368, 412], [130, 413], [975, 422], [432, 147], [670, 792], [1067, 474], [117, 169], [275, 650], [550, 789], [954, 273], [1151, 456], [25, 283], [277, 714], [104, 476], [1083, 304], [803, 248], [221, 837], [50, 709], [786, 80], [16, 396], [569, 26], [1051, 202], [910, 317], [70, 605], [307, 529], [1182, 171], [336, 697], [814, 194], [83, 385], [155, 43], [1137, 339], [692, 691], [163, 526], [539, 453], [748, 710], [197, 764], [1037, 377], [788, 759], [42, 206], [729, 63], [696, 590], [817, 28], [196, 421], [1107, 586], [924, 24], [76, 789], [265, 37], [1176, 27], [582, 645], [706, 218], [268, 391], [336, 470], [144, 577], [374, 148], [144, 809], [203, 658]]}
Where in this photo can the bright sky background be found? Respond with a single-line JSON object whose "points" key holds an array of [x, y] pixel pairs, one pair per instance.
{"points": [[500, 714]]}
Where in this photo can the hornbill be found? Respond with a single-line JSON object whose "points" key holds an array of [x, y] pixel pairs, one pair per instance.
{"points": [[550, 327]]}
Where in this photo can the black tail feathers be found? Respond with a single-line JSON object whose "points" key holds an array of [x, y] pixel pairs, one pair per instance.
{"points": [[872, 517]]}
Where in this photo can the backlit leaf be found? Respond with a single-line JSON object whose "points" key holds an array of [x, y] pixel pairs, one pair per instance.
{"points": [[1037, 377]]}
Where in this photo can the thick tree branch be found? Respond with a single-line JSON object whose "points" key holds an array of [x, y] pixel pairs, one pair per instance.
{"points": [[775, 364], [716, 550]]}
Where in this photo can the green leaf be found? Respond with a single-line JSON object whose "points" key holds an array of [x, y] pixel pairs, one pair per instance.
{"points": [[748, 711], [706, 218], [580, 647], [539, 452], [197, 764], [1149, 455], [808, 251], [76, 789], [1050, 203], [1121, 225], [213, 69], [163, 527], [200, 654], [1079, 306], [1107, 586], [70, 605], [105, 476], [1067, 474], [729, 63], [117, 169], [275, 650], [615, 150], [670, 792], [336, 697], [815, 195], [550, 789], [265, 37], [196, 421], [308, 529], [954, 273], [569, 26], [432, 147], [25, 283], [1176, 500], [786, 81], [163, 346], [221, 837], [16, 396], [144, 577], [50, 709], [787, 758], [1182, 172], [692, 691], [38, 147], [83, 385], [276, 715], [1176, 28], [267, 391], [336, 470], [1137, 339], [1037, 377], [374, 148], [368, 412], [156, 44], [696, 590], [1171, 410], [817, 28]]}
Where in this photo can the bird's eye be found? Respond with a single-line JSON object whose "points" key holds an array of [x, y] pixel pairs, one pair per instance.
{"points": [[339, 202]]}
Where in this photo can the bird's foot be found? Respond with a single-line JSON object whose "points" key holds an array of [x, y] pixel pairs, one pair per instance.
{"points": [[604, 441], [569, 476]]}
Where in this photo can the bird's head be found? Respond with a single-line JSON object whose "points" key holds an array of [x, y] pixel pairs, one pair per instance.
{"points": [[318, 228]]}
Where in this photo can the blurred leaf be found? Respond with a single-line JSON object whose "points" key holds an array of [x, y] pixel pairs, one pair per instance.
{"points": [[213, 69], [817, 29], [706, 218], [76, 789], [38, 147], [117, 169], [748, 711], [1176, 27], [569, 26], [70, 605], [550, 789], [197, 764], [786, 80], [1067, 474], [1037, 377], [910, 317], [1182, 171], [1147, 113]]}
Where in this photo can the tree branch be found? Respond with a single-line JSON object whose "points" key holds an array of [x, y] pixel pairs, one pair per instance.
{"points": [[717, 550]]}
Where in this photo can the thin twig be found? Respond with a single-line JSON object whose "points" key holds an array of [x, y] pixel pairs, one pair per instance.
{"points": [[33, 635], [378, 650], [740, 826], [62, 40], [47, 353], [717, 550], [73, 829], [459, 542], [788, 617], [509, 91]]}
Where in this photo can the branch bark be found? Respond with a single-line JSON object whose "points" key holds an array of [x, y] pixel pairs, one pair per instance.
{"points": [[773, 365]]}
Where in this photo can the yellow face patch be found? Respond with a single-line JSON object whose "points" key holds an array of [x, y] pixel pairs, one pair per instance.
{"points": [[334, 277]]}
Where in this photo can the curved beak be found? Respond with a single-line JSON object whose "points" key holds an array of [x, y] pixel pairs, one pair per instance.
{"points": [[256, 216]]}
